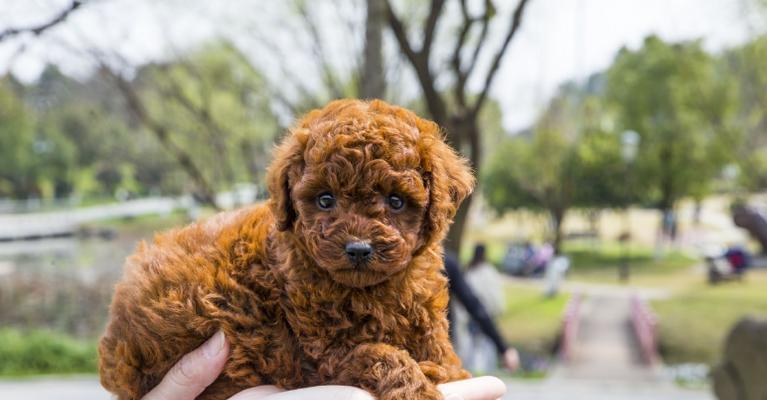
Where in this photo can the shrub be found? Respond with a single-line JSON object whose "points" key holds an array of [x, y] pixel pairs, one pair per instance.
{"points": [[44, 352]]}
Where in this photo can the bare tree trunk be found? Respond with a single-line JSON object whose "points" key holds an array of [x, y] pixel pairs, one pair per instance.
{"points": [[460, 122], [557, 218], [463, 132], [454, 238], [372, 83]]}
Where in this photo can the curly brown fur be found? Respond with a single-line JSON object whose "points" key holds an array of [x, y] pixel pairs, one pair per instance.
{"points": [[275, 278]]}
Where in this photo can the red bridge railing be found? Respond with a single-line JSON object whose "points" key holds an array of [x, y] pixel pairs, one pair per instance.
{"points": [[570, 324], [645, 324]]}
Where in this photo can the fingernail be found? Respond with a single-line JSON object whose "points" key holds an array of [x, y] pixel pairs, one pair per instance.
{"points": [[213, 346]]}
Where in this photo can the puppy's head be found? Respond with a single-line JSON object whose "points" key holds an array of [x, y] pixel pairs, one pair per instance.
{"points": [[364, 187]]}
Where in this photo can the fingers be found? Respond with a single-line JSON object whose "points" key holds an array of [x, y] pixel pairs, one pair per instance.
{"points": [[194, 372], [198, 369], [258, 392], [330, 392], [511, 359], [482, 388]]}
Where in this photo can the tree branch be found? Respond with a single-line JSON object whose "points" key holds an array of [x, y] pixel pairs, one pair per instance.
{"points": [[420, 62], [137, 108], [353, 29], [203, 113], [460, 78], [431, 26], [306, 95], [515, 23], [39, 29], [400, 33], [489, 12], [329, 77]]}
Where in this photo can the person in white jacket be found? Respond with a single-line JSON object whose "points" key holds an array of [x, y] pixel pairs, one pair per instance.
{"points": [[487, 283]]}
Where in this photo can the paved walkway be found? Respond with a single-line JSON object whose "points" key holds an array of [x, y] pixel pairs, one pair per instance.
{"points": [[606, 363], [552, 389], [59, 223], [605, 348], [81, 388]]}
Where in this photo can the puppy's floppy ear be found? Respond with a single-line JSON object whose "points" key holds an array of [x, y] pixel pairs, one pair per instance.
{"points": [[282, 174], [448, 177]]}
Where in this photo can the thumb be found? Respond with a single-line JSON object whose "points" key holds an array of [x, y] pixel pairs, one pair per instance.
{"points": [[482, 388], [194, 372]]}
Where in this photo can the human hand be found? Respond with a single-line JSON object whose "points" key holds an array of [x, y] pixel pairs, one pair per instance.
{"points": [[194, 372], [198, 369], [482, 388], [511, 359]]}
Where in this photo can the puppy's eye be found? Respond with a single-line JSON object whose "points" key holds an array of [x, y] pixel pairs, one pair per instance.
{"points": [[326, 201], [395, 202]]}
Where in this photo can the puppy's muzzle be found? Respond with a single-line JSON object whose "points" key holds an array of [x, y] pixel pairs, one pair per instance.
{"points": [[359, 252]]}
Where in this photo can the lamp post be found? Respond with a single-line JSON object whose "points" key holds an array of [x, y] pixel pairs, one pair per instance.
{"points": [[629, 149]]}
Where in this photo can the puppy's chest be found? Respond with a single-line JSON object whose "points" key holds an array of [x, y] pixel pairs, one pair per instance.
{"points": [[338, 327]]}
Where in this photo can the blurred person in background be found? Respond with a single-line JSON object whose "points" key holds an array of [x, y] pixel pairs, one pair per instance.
{"points": [[485, 281], [461, 292]]}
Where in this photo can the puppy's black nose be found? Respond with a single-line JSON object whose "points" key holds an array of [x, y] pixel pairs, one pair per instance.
{"points": [[358, 251]]}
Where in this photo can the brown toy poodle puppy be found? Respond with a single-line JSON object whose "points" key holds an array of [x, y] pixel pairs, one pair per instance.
{"points": [[336, 280]]}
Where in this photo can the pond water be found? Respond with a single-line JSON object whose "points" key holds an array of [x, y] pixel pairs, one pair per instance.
{"points": [[62, 284]]}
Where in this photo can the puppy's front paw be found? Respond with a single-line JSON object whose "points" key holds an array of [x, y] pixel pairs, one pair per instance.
{"points": [[387, 372], [414, 391], [429, 393], [443, 373]]}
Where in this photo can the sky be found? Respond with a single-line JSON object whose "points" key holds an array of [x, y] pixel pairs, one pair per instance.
{"points": [[559, 40]]}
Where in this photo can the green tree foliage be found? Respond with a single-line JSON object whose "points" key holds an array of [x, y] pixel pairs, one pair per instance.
{"points": [[753, 170], [602, 177], [680, 100], [216, 108], [683, 107], [84, 146], [570, 159], [748, 64], [43, 352], [60, 137], [17, 145]]}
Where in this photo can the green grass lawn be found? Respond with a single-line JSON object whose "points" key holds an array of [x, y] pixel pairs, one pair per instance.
{"points": [[600, 263], [145, 224], [695, 322], [531, 322], [44, 352]]}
